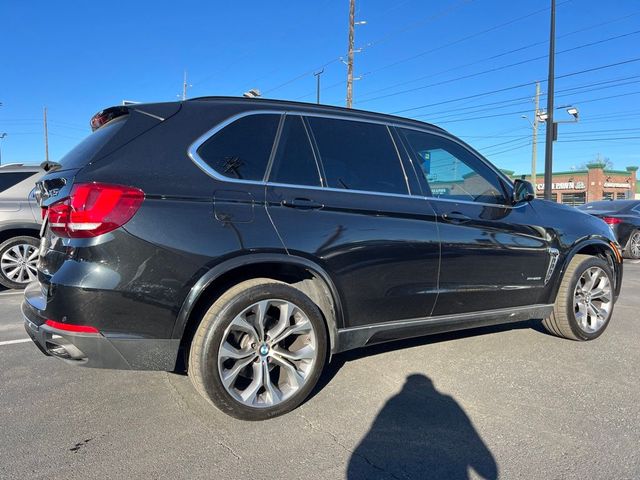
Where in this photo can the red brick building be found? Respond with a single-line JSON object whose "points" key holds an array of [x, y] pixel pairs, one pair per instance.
{"points": [[581, 186]]}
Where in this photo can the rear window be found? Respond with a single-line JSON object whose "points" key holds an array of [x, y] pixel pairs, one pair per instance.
{"points": [[294, 163], [87, 149], [9, 179], [242, 149]]}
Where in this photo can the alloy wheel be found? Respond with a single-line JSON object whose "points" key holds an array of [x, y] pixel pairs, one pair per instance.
{"points": [[19, 263], [634, 244], [267, 353], [592, 299]]}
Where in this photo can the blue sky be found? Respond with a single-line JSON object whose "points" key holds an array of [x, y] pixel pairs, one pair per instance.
{"points": [[79, 57]]}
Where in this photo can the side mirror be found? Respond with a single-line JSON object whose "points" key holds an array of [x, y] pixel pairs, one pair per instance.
{"points": [[523, 191]]}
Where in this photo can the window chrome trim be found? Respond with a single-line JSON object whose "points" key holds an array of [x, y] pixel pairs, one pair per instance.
{"points": [[199, 161], [192, 152]]}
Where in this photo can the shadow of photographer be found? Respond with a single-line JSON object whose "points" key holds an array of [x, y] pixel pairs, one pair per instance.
{"points": [[421, 433]]}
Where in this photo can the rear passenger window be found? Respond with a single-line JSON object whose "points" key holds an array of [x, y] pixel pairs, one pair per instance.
{"points": [[295, 163], [358, 155], [242, 149], [8, 180]]}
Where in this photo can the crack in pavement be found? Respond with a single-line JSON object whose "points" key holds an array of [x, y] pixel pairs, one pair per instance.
{"points": [[184, 405]]}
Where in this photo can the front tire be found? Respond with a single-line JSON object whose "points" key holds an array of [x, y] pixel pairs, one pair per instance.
{"points": [[584, 303], [259, 350], [18, 261]]}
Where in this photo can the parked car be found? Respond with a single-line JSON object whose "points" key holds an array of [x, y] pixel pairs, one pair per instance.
{"points": [[623, 216], [250, 240], [19, 225]]}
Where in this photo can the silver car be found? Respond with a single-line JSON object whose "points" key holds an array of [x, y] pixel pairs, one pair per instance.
{"points": [[19, 224]]}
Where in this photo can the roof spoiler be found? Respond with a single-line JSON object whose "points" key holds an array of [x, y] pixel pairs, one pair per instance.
{"points": [[105, 116], [108, 114]]}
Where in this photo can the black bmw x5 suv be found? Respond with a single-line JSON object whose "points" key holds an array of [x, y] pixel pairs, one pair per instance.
{"points": [[248, 240]]}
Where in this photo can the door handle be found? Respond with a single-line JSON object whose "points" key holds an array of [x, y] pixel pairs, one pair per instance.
{"points": [[302, 203], [455, 217]]}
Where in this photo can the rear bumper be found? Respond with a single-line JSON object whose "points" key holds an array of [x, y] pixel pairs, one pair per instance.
{"points": [[94, 350], [86, 349]]}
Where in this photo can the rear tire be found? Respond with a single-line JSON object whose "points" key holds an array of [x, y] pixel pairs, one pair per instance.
{"points": [[18, 258], [259, 350], [584, 303]]}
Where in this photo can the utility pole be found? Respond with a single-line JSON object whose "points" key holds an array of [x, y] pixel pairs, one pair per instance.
{"points": [[534, 148], [550, 131], [317, 75], [352, 14], [46, 137]]}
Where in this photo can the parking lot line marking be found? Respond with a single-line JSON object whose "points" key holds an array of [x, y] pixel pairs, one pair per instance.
{"points": [[6, 294], [12, 342]]}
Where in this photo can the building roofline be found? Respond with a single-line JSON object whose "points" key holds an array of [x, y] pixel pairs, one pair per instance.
{"points": [[572, 172], [541, 174]]}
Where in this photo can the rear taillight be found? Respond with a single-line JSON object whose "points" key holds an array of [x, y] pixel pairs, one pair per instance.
{"points": [[611, 220], [93, 209], [71, 327]]}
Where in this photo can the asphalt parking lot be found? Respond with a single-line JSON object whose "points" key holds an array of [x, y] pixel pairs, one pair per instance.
{"points": [[507, 402]]}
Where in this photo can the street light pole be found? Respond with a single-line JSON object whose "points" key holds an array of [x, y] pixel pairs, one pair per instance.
{"points": [[548, 157], [2, 136]]}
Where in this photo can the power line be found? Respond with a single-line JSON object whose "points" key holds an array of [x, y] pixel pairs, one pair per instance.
{"points": [[426, 19], [517, 139], [460, 40], [370, 45], [512, 104], [305, 74], [527, 98], [597, 139], [511, 149], [520, 85], [465, 119], [492, 57], [464, 39], [496, 69], [584, 132]]}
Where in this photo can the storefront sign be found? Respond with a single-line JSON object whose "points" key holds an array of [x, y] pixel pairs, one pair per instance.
{"points": [[563, 186], [616, 185]]}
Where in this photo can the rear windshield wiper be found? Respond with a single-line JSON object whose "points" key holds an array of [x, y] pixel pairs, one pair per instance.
{"points": [[49, 165]]}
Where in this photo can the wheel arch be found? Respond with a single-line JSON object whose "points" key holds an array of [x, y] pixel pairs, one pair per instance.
{"points": [[299, 272], [19, 230], [598, 247]]}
